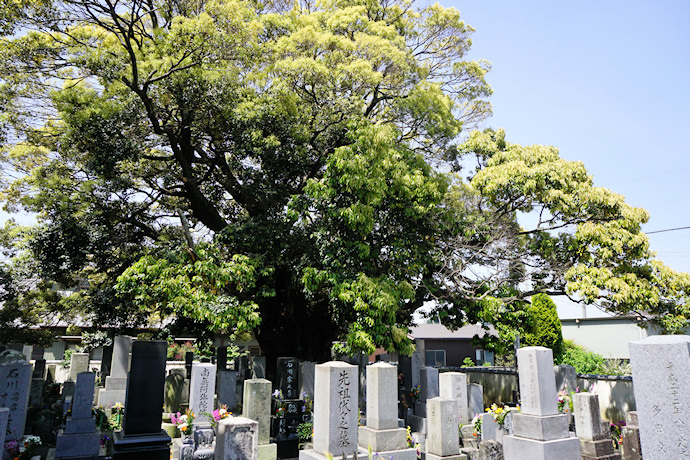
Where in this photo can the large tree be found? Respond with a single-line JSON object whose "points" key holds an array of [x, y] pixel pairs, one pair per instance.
{"points": [[288, 168]]}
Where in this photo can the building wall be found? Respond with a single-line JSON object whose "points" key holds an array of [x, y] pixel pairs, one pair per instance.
{"points": [[456, 350], [607, 336]]}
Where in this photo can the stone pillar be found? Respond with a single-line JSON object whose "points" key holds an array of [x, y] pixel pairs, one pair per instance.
{"points": [[80, 438], [143, 436], [227, 388], [660, 366], [475, 400], [382, 433], [442, 440], [335, 410], [174, 385], [540, 432], [306, 378], [79, 362], [566, 377], [631, 449], [116, 382], [237, 439], [201, 392], [453, 385], [15, 380], [257, 406], [595, 443]]}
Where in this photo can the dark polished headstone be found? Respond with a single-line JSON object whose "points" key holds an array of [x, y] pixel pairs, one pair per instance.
{"points": [[143, 437], [188, 360], [221, 359], [288, 377], [106, 361], [39, 369]]}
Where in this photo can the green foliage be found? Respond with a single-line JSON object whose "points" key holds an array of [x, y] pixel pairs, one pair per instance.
{"points": [[546, 331], [584, 361], [305, 431], [468, 362]]}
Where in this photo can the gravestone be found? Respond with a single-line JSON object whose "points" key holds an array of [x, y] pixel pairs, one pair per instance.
{"points": [[237, 439], [201, 391], [39, 369], [107, 360], [566, 377], [540, 432], [660, 366], [188, 361], [453, 385], [428, 388], [631, 448], [80, 438], [288, 377], [257, 406], [382, 433], [227, 389], [489, 428], [15, 379], [306, 379], [442, 440], [416, 365], [335, 410], [174, 385], [475, 400], [490, 450], [36, 392], [4, 419], [595, 442], [259, 367], [221, 359], [116, 382], [143, 436], [79, 362]]}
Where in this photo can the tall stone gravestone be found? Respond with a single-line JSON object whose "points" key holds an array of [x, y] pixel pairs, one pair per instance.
{"points": [[79, 362], [416, 365], [453, 385], [306, 379], [566, 377], [174, 385], [475, 400], [143, 436], [202, 390], [660, 366], [381, 433], [428, 388], [116, 382], [335, 411], [257, 406], [540, 432], [237, 439], [288, 377], [15, 379], [80, 438], [37, 383], [227, 389], [631, 449], [258, 367], [442, 438], [595, 442], [107, 360], [188, 361], [4, 419], [221, 359]]}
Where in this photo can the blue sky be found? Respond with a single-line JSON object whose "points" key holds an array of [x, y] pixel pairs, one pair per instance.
{"points": [[608, 83]]}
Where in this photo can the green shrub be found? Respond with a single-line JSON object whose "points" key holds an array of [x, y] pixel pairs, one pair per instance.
{"points": [[584, 361], [546, 330]]}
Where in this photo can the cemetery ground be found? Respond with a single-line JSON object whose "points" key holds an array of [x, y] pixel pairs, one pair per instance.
{"points": [[140, 406]]}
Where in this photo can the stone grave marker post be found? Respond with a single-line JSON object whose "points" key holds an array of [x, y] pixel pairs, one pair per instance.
{"points": [[540, 432], [595, 443], [202, 391], [257, 406], [237, 439], [475, 400], [79, 362], [116, 382], [631, 449], [660, 366], [453, 385], [442, 440], [143, 436], [15, 380], [80, 438]]}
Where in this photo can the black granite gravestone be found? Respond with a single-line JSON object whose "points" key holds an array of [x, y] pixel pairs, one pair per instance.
{"points": [[106, 362], [188, 360], [39, 369], [143, 436], [288, 377], [221, 359]]}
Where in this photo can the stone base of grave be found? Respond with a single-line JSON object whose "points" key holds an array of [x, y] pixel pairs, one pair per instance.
{"points": [[108, 398], [517, 448], [382, 440], [541, 427], [471, 452], [268, 451], [607, 457], [311, 454], [417, 423], [77, 445], [597, 449], [151, 447], [429, 456]]}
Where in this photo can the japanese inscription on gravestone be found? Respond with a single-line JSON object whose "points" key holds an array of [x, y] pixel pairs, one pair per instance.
{"points": [[14, 387], [343, 408]]}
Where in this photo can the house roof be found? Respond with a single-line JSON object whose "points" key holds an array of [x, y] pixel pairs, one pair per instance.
{"points": [[439, 331]]}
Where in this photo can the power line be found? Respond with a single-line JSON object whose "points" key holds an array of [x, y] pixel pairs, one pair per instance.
{"points": [[668, 230]]}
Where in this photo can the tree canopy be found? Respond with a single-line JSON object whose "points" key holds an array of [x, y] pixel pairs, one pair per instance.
{"points": [[304, 170]]}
